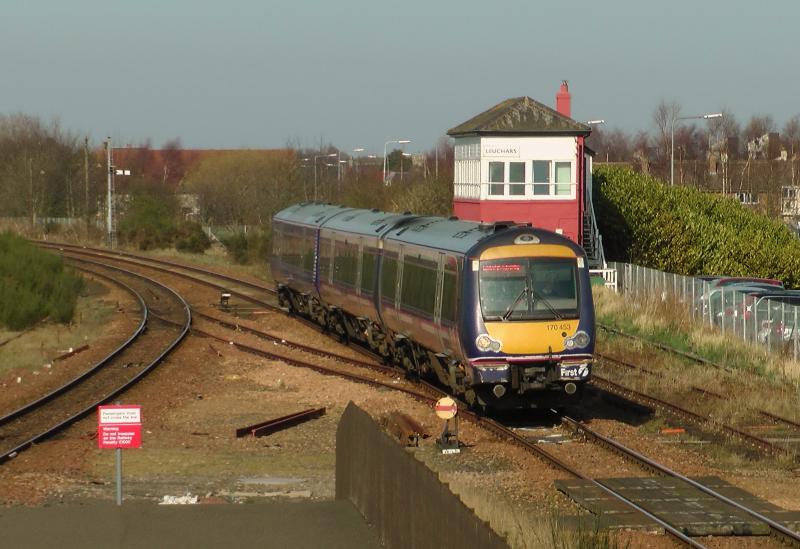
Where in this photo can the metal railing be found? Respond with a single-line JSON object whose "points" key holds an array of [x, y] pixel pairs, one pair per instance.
{"points": [[733, 311]]}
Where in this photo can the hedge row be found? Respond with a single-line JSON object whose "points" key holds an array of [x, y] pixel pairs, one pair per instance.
{"points": [[682, 230], [35, 285]]}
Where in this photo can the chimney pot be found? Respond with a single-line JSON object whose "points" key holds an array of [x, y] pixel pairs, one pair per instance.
{"points": [[564, 100]]}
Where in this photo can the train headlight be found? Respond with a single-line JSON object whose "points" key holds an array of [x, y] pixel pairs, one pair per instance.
{"points": [[581, 339], [485, 343]]}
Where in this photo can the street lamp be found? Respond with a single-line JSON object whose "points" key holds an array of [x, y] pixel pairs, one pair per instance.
{"points": [[672, 139], [407, 155], [331, 155], [355, 159], [595, 122], [399, 141]]}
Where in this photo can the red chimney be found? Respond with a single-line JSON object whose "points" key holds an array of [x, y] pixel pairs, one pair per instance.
{"points": [[564, 100]]}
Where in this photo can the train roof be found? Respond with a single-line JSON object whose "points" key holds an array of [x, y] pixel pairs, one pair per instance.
{"points": [[311, 214], [367, 222], [446, 234]]}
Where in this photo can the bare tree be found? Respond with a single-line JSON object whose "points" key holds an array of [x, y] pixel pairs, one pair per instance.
{"points": [[664, 116], [758, 126]]}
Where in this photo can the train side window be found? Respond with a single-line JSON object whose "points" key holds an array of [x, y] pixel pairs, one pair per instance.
{"points": [[292, 251], [449, 290], [419, 284], [345, 263], [367, 271], [325, 259], [308, 243], [388, 277]]}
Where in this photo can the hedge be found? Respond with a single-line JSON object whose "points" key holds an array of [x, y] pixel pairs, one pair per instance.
{"points": [[35, 285], [685, 231]]}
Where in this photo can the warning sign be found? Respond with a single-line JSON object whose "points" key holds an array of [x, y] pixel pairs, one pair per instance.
{"points": [[119, 426], [446, 408]]}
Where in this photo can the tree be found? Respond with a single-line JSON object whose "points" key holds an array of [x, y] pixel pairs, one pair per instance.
{"points": [[758, 126], [664, 116]]}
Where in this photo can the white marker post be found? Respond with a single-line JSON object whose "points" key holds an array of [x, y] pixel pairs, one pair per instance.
{"points": [[119, 427]]}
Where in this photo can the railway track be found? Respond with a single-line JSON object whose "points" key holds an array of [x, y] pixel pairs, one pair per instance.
{"points": [[157, 336], [430, 394]]}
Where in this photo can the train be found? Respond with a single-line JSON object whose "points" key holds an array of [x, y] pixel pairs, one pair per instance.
{"points": [[499, 313]]}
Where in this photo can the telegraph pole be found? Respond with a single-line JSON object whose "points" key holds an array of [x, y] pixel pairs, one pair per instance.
{"points": [[110, 194], [86, 181]]}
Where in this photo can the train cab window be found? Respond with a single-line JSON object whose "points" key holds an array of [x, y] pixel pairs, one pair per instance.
{"points": [[368, 271], [529, 289]]}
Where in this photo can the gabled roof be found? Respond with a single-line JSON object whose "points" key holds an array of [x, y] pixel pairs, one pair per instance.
{"points": [[520, 115]]}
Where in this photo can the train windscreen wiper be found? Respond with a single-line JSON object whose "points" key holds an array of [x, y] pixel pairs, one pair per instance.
{"points": [[514, 304], [538, 297]]}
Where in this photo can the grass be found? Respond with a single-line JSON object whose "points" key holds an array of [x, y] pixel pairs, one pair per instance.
{"points": [[48, 340], [666, 322], [756, 381]]}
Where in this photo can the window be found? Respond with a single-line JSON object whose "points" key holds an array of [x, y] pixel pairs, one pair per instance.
{"points": [[497, 177], [345, 263], [367, 271], [516, 176], [563, 178], [449, 291], [308, 243], [325, 256], [419, 284], [536, 288], [541, 177], [388, 277]]}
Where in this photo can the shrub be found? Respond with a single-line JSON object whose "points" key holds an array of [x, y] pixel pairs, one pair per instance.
{"points": [[685, 231], [35, 285], [191, 238], [149, 220], [248, 248]]}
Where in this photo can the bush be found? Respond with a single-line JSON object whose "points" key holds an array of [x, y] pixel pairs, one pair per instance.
{"points": [[248, 248], [149, 220], [35, 285], [685, 231], [192, 239]]}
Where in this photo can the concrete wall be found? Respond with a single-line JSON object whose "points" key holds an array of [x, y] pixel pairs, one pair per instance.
{"points": [[400, 496]]}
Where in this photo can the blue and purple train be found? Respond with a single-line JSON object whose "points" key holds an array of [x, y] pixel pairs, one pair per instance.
{"points": [[501, 313]]}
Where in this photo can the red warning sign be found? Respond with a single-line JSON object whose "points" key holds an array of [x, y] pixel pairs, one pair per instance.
{"points": [[446, 408], [119, 426]]}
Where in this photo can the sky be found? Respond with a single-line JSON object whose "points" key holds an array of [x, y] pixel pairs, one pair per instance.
{"points": [[266, 74]]}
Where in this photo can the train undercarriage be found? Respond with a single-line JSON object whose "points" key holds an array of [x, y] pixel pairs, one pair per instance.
{"points": [[530, 387]]}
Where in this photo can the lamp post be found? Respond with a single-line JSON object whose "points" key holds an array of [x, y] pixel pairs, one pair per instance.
{"points": [[407, 155], [331, 155], [672, 139], [355, 159], [398, 141]]}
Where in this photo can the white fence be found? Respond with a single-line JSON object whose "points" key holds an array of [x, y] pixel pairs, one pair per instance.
{"points": [[736, 312]]}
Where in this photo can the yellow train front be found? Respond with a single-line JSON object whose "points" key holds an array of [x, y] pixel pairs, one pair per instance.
{"points": [[501, 313]]}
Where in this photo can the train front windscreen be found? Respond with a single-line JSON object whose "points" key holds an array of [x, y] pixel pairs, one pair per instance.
{"points": [[526, 288]]}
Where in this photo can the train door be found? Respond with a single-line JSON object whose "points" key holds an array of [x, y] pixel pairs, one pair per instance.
{"points": [[437, 309]]}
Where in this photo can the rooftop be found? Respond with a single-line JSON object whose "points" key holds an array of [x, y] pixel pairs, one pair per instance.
{"points": [[520, 115]]}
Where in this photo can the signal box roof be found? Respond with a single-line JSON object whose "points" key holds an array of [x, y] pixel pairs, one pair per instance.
{"points": [[520, 116]]}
